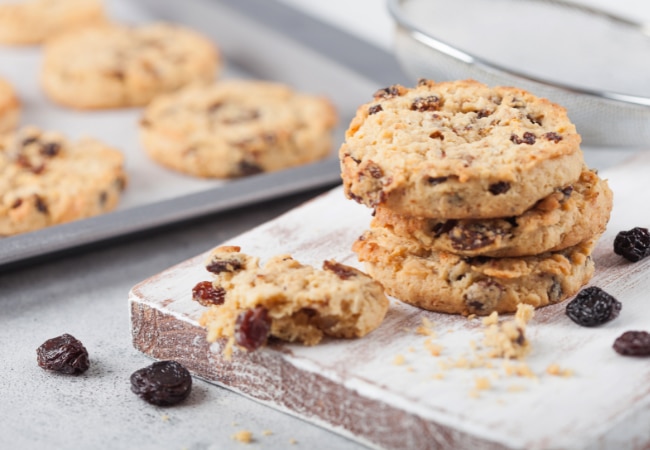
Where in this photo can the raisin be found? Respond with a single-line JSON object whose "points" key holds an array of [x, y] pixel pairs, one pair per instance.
{"points": [[483, 113], [388, 92], [553, 136], [566, 192], [103, 197], [500, 187], [220, 265], [375, 171], [437, 135], [50, 149], [118, 74], [17, 203], [64, 354], [206, 294], [213, 107], [535, 120], [252, 328], [483, 296], [41, 206], [436, 180], [342, 271], [528, 138], [440, 228], [633, 343], [474, 235], [374, 109], [633, 245], [247, 168], [593, 306], [163, 383], [430, 103]]}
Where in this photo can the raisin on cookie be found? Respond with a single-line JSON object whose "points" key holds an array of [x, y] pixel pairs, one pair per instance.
{"points": [[24, 22], [289, 300], [47, 180], [449, 283], [9, 107], [568, 216], [458, 150], [235, 128], [116, 66]]}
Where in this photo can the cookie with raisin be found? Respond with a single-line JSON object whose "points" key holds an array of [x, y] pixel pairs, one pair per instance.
{"points": [[458, 150], [9, 107], [289, 300], [46, 179], [27, 22], [235, 128], [115, 66], [450, 283], [568, 216]]}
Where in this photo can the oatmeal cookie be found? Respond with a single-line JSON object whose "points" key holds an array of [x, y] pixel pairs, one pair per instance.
{"points": [[9, 107], [237, 128], [457, 150], [34, 21], [47, 180], [446, 282], [570, 215], [289, 300], [116, 66]]}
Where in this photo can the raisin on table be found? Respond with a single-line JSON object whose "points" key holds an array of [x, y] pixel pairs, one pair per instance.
{"points": [[163, 383], [633, 343], [633, 245], [593, 306], [64, 354]]}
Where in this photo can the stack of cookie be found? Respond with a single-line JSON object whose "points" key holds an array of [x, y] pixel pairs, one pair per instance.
{"points": [[482, 198]]}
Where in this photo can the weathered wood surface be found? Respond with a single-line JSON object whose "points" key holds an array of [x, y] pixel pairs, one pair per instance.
{"points": [[353, 386]]}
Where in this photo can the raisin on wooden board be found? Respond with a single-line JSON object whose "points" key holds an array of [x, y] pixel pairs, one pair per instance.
{"points": [[633, 343], [633, 245], [593, 306]]}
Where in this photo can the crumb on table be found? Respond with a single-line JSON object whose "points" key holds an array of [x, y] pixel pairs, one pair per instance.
{"points": [[243, 436]]}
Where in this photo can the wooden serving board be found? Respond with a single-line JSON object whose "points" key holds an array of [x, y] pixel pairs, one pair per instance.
{"points": [[354, 387]]}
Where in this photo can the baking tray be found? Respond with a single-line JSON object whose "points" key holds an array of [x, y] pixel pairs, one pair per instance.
{"points": [[258, 39]]}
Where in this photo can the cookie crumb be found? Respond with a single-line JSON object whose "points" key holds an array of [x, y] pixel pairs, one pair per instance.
{"points": [[556, 370], [471, 317], [492, 319], [519, 370], [292, 441], [438, 376], [399, 360], [164, 418], [426, 329], [267, 432], [508, 340], [482, 383], [433, 348], [243, 436]]}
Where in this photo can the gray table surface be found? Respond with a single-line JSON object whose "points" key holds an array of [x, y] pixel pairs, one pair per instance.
{"points": [[85, 294]]}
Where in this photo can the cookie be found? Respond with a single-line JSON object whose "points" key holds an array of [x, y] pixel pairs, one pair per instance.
{"points": [[292, 301], [235, 128], [9, 107], [458, 150], [449, 283], [570, 215], [47, 180], [34, 21], [116, 66]]}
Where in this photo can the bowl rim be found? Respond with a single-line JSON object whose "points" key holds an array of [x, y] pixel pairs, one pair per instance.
{"points": [[419, 35]]}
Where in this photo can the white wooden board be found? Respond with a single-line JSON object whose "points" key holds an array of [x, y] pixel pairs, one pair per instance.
{"points": [[353, 386]]}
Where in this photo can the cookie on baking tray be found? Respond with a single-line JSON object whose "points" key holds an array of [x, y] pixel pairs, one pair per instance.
{"points": [[9, 107], [568, 216], [34, 21], [458, 150], [235, 128], [286, 300], [46, 180], [116, 66], [449, 283]]}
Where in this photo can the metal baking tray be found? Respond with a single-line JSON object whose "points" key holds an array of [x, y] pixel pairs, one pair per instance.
{"points": [[592, 61], [259, 39]]}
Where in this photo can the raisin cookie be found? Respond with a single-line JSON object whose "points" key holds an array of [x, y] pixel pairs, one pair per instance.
{"points": [[235, 128], [449, 283], [47, 180], [34, 21], [287, 300], [457, 150], [9, 107], [116, 66], [570, 215]]}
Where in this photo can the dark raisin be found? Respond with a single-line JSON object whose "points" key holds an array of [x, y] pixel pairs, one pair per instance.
{"points": [[500, 187], [593, 306], [437, 135], [51, 149], [41, 206], [521, 338], [64, 354], [164, 383], [17, 203], [220, 265], [247, 168], [440, 228], [342, 271], [633, 343], [252, 328], [374, 109], [555, 292], [207, 295], [535, 120], [436, 180], [388, 92], [483, 296], [424, 82], [553, 136], [103, 197], [430, 103], [483, 113], [566, 192], [528, 138], [474, 235], [214, 106], [633, 245], [375, 171]]}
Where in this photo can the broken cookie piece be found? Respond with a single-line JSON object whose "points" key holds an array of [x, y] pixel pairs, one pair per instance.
{"points": [[288, 300], [508, 339]]}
